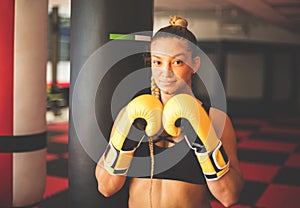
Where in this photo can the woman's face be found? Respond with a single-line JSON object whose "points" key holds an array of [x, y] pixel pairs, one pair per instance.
{"points": [[173, 65]]}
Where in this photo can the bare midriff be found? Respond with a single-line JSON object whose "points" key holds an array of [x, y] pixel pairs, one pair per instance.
{"points": [[167, 193]]}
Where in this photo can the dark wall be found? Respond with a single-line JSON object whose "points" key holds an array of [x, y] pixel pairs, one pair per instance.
{"points": [[260, 79]]}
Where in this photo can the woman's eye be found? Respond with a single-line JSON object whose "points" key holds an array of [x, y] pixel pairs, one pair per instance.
{"points": [[177, 62], [156, 63]]}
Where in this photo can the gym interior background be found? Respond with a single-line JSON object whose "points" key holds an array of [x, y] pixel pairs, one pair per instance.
{"points": [[255, 47]]}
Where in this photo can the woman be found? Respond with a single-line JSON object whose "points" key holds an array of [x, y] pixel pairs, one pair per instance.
{"points": [[174, 59]]}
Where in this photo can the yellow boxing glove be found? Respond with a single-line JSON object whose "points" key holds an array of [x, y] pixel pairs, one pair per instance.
{"points": [[117, 159], [212, 157]]}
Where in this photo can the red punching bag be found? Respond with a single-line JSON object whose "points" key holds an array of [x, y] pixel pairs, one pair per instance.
{"points": [[23, 55]]}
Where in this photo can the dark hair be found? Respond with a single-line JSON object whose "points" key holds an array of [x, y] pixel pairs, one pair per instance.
{"points": [[181, 33]]}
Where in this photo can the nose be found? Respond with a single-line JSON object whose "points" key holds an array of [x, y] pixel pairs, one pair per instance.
{"points": [[167, 70]]}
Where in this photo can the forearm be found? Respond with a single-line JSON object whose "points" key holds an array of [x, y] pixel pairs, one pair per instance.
{"points": [[227, 189], [108, 184]]}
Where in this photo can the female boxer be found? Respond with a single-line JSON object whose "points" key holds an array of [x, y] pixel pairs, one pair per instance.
{"points": [[210, 165]]}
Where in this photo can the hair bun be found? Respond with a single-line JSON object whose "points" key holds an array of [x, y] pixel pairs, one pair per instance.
{"points": [[178, 21]]}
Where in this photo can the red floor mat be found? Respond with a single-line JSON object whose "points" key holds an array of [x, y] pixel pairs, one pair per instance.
{"points": [[269, 153]]}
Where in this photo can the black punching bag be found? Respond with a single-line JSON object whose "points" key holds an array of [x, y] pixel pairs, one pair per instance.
{"points": [[97, 68]]}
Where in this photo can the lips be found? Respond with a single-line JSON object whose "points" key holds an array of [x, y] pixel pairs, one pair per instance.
{"points": [[167, 82]]}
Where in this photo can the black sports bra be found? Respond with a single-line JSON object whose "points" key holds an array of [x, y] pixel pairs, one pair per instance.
{"points": [[176, 163]]}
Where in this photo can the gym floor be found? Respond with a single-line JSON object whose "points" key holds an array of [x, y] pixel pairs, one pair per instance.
{"points": [[268, 149], [56, 194]]}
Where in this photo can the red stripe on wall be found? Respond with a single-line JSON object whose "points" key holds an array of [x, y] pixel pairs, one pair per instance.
{"points": [[6, 96], [6, 66], [6, 194]]}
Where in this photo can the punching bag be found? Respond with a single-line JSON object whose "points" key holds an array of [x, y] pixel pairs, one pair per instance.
{"points": [[93, 80], [23, 55]]}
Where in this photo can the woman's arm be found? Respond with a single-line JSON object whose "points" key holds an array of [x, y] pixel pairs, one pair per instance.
{"points": [[226, 189], [120, 150], [108, 184]]}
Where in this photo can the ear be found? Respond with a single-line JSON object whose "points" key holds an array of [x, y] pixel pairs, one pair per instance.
{"points": [[196, 61]]}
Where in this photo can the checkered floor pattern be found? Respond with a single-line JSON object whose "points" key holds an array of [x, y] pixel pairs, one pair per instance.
{"points": [[269, 154], [268, 149], [56, 194]]}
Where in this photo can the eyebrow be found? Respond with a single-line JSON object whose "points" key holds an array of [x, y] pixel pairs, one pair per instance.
{"points": [[176, 55]]}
